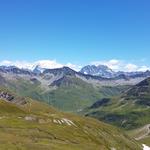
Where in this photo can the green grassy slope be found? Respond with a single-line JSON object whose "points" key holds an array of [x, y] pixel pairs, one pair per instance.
{"points": [[129, 111], [35, 125], [124, 115]]}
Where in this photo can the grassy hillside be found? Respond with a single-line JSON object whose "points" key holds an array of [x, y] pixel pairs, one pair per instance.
{"points": [[68, 94], [125, 115], [34, 125], [129, 111]]}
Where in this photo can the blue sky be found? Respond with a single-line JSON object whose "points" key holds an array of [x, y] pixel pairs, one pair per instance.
{"points": [[75, 31]]}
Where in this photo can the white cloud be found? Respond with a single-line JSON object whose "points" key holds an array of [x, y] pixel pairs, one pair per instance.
{"points": [[73, 66], [143, 68], [131, 67], [49, 64], [19, 64], [121, 65], [114, 64]]}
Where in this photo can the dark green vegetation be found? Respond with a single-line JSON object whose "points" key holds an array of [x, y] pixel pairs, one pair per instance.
{"points": [[34, 125], [129, 111]]}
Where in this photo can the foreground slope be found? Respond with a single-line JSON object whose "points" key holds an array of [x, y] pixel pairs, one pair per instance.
{"points": [[33, 125]]}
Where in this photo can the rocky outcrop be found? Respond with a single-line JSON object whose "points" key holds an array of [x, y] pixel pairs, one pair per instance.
{"points": [[9, 97]]}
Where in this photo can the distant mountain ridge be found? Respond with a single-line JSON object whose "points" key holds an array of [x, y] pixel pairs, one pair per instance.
{"points": [[89, 71], [15, 70], [105, 71], [117, 78], [100, 70]]}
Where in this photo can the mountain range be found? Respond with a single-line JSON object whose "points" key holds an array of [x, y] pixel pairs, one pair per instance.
{"points": [[75, 89], [106, 72], [65, 88], [99, 70], [122, 101]]}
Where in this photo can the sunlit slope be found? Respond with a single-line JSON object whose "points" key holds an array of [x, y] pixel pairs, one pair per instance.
{"points": [[34, 125]]}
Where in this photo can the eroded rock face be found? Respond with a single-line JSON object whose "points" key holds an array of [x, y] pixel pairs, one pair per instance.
{"points": [[9, 97], [6, 96], [30, 118]]}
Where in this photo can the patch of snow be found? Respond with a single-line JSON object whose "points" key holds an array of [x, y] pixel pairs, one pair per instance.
{"points": [[68, 122], [64, 121], [55, 121], [145, 147], [59, 122]]}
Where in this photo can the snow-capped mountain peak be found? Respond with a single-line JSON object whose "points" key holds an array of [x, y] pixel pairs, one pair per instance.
{"points": [[38, 69], [100, 70]]}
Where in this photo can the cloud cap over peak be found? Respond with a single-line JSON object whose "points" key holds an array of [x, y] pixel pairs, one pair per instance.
{"points": [[114, 64], [48, 64], [121, 65]]}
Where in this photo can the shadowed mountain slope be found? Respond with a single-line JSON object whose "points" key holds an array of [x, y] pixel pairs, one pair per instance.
{"points": [[130, 110]]}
